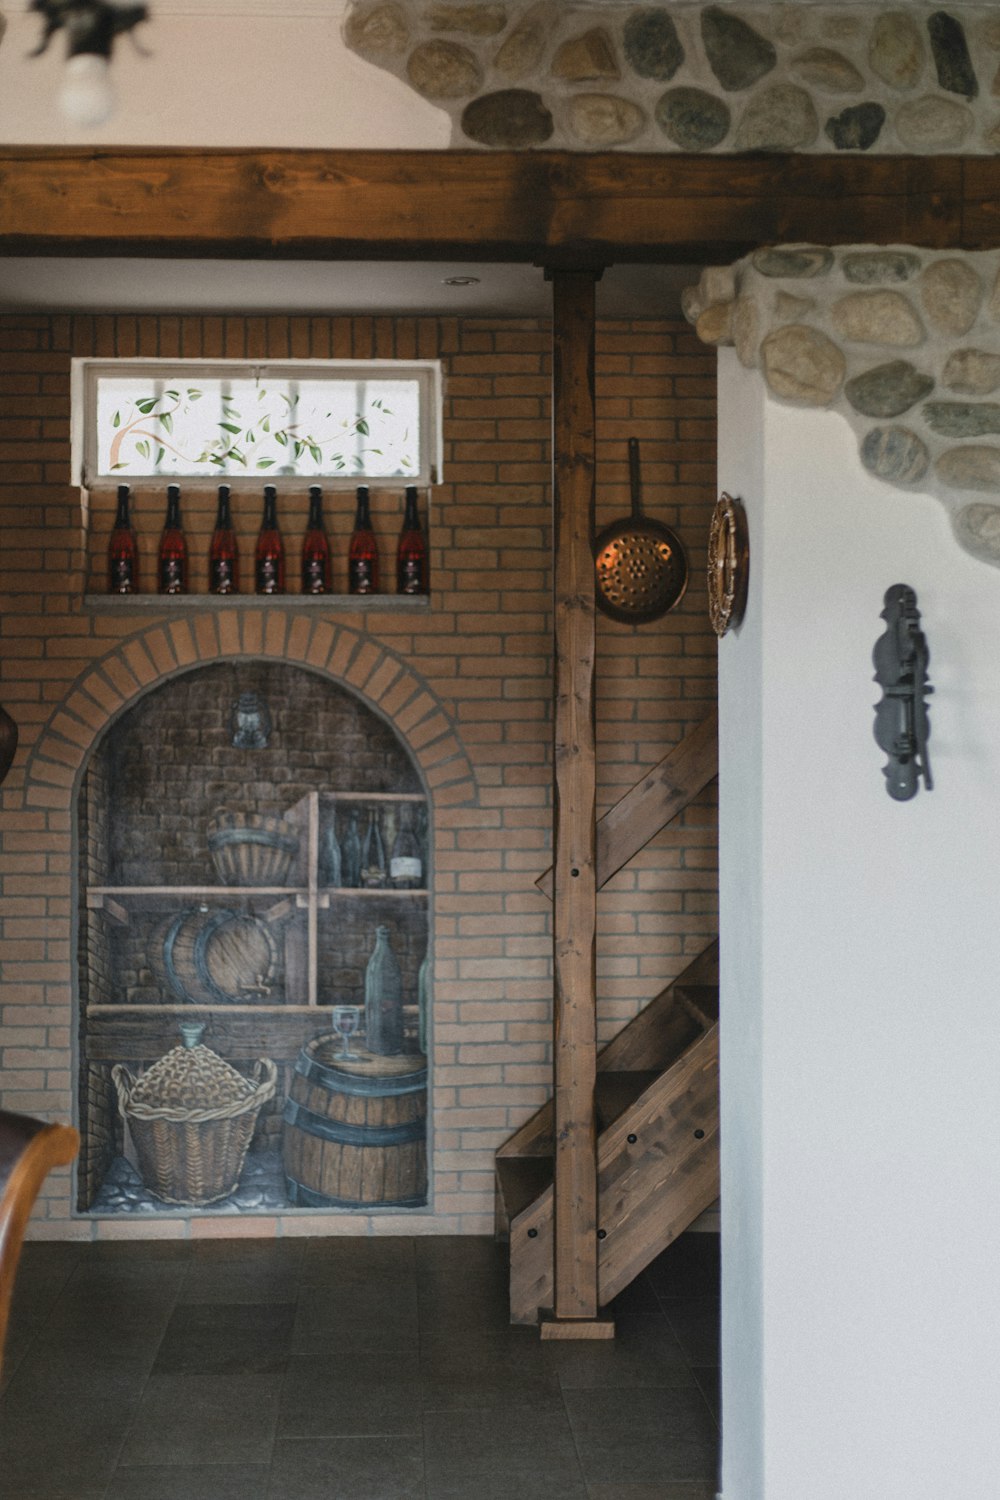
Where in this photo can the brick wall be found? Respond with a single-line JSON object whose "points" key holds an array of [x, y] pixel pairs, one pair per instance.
{"points": [[468, 685]]}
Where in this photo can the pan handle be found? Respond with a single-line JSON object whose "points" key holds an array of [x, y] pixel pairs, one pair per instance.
{"points": [[635, 486]]}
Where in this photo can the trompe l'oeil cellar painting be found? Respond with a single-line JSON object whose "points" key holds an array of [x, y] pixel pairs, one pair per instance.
{"points": [[253, 953]]}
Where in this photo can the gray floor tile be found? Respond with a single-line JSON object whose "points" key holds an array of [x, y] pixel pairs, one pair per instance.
{"points": [[668, 1491], [333, 1401], [72, 1453], [690, 1267], [467, 1445], [709, 1383], [515, 1487], [242, 1338], [695, 1320], [341, 1258], [55, 1370], [469, 1370], [204, 1419], [379, 1314], [187, 1482], [643, 1435], [653, 1358], [380, 1468]]}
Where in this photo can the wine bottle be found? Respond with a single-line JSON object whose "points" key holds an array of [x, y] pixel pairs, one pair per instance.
{"points": [[223, 555], [123, 550], [362, 556], [351, 860], [269, 558], [315, 548], [331, 864], [411, 552], [383, 999], [373, 871], [405, 865], [172, 562]]}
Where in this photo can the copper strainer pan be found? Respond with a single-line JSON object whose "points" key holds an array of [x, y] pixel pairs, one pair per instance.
{"points": [[640, 564]]}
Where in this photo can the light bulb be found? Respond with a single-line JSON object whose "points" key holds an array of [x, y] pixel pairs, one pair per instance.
{"points": [[86, 96]]}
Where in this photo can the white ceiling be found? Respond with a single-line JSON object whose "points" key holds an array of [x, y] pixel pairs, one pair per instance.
{"points": [[107, 284]]}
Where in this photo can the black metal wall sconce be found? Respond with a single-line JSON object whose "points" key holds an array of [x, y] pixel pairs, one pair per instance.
{"points": [[91, 28], [902, 726]]}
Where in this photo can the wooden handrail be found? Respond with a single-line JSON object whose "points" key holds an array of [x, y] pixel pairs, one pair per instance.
{"points": [[653, 802]]}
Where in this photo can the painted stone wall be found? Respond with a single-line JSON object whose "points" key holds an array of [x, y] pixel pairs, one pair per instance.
{"points": [[761, 77], [904, 343]]}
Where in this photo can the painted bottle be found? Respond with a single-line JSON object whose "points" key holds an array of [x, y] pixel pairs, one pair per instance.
{"points": [[362, 556], [411, 550], [223, 553], [351, 862], [316, 574], [172, 559], [269, 555], [123, 550], [383, 998]]}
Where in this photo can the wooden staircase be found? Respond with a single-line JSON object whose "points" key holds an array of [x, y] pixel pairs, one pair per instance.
{"points": [[656, 1092], [657, 1149]]}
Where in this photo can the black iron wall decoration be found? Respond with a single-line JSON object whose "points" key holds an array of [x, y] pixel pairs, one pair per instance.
{"points": [[902, 727]]}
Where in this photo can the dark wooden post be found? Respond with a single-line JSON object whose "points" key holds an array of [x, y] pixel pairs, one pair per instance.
{"points": [[575, 1313]]}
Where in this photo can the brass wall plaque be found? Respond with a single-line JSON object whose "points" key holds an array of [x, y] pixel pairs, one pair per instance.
{"points": [[728, 564]]}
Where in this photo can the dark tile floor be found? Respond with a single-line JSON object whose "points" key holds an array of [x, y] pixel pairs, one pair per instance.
{"points": [[348, 1369]]}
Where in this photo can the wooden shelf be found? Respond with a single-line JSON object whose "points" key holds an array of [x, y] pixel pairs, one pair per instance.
{"points": [[332, 603]]}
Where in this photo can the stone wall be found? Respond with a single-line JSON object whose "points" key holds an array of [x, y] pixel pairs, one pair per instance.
{"points": [[904, 343], [759, 77]]}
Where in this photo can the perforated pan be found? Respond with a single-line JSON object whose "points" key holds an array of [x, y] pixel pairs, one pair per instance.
{"points": [[641, 565]]}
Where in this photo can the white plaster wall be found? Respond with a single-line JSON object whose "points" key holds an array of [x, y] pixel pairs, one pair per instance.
{"points": [[222, 80], [871, 975]]}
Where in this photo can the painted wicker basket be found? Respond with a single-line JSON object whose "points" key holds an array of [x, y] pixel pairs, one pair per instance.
{"points": [[192, 1121], [252, 848]]}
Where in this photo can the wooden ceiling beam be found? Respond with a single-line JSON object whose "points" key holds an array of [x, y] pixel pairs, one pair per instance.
{"points": [[555, 208]]}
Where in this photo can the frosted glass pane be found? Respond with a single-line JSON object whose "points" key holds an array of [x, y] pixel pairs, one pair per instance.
{"points": [[271, 426]]}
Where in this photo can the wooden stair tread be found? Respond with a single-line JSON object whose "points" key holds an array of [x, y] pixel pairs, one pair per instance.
{"points": [[523, 1179], [617, 1092]]}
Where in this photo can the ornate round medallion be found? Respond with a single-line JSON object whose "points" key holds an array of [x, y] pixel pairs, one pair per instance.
{"points": [[728, 564]]}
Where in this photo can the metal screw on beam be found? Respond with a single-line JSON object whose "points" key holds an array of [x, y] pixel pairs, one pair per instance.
{"points": [[699, 1135], [631, 1139], [532, 1234]]}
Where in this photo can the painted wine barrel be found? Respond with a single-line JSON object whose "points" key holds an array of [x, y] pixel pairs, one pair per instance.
{"points": [[355, 1130]]}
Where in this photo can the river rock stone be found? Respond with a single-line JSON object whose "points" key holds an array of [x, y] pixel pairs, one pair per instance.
{"points": [[717, 284], [792, 309], [977, 528], [879, 267], [781, 117], [896, 51], [583, 58], [443, 70], [737, 55], [802, 364], [510, 117], [991, 137], [381, 31], [522, 51], [840, 28], [746, 331], [974, 467], [955, 72], [857, 128], [993, 306], [990, 33], [474, 20], [971, 372], [962, 419], [652, 47], [798, 261], [895, 453], [930, 124], [715, 324], [692, 303], [692, 119], [604, 119], [788, 24], [825, 68], [888, 390], [878, 318], [952, 293]]}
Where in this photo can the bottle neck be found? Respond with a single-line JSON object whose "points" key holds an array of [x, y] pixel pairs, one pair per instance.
{"points": [[315, 509], [411, 516], [174, 508], [121, 515], [270, 521], [362, 518], [223, 521]]}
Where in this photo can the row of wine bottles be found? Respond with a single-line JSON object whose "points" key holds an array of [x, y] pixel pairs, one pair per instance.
{"points": [[361, 860], [269, 553]]}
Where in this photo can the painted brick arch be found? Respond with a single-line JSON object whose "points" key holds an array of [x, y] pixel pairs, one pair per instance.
{"points": [[379, 677]]}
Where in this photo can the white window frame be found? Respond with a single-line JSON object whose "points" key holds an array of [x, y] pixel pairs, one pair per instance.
{"points": [[84, 444]]}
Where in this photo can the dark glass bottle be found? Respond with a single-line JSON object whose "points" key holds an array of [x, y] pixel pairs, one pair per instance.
{"points": [[411, 551], [316, 578], [331, 862], [373, 868], [269, 557], [406, 868], [223, 555], [123, 550], [351, 857], [362, 557], [383, 999], [172, 561]]}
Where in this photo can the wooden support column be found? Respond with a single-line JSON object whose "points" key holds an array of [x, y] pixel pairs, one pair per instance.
{"points": [[575, 1311]]}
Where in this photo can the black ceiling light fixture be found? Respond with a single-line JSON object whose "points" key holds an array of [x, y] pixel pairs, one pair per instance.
{"points": [[91, 26]]}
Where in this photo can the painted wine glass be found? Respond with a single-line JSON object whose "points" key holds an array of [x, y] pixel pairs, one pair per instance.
{"points": [[345, 1024]]}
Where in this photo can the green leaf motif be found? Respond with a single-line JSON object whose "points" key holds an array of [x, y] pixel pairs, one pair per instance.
{"points": [[316, 452], [266, 463], [146, 404], [194, 395], [116, 420], [118, 466], [361, 426], [174, 395], [142, 447], [228, 426], [159, 455], [166, 419]]}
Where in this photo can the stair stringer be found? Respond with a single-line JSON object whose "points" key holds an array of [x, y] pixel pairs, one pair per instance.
{"points": [[649, 1189]]}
